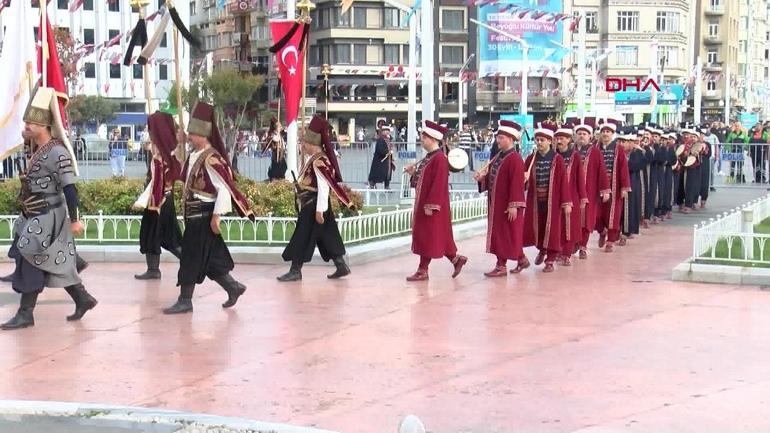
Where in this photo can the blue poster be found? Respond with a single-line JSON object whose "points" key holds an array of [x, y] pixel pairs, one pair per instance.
{"points": [[670, 94], [748, 120], [534, 21], [526, 138]]}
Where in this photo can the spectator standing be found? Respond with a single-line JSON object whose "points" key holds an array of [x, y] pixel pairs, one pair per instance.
{"points": [[118, 150], [758, 142], [468, 143], [735, 142]]}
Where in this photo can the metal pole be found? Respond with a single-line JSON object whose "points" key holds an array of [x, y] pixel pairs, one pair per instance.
{"points": [[292, 129], [727, 93], [427, 60], [594, 78], [698, 90], [44, 38], [411, 128], [654, 74], [524, 79], [460, 92], [581, 84]]}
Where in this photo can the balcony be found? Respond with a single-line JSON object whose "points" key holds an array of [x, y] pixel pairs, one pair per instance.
{"points": [[712, 94], [712, 40], [713, 67], [715, 11]]}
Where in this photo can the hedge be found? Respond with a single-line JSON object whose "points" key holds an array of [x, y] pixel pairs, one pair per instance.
{"points": [[114, 196]]}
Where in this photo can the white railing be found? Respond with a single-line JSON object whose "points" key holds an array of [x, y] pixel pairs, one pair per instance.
{"points": [[730, 237], [124, 229], [390, 197]]}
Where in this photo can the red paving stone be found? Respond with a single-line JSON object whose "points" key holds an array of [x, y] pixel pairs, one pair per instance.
{"points": [[610, 344]]}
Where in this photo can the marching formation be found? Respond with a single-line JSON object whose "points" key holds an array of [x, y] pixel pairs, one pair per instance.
{"points": [[581, 178]]}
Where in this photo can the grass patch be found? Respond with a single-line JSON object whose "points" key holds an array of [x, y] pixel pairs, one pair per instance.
{"points": [[735, 250]]}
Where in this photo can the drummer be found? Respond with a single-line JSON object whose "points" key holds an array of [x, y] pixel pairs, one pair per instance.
{"points": [[692, 167]]}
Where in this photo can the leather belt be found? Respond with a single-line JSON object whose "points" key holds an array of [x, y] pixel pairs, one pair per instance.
{"points": [[40, 204], [198, 209]]}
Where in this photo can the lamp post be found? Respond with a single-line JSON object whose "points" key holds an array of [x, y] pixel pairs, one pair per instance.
{"points": [[326, 70], [460, 93], [524, 61]]}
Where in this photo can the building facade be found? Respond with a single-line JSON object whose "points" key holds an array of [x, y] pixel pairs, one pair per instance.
{"points": [[102, 71], [632, 39], [752, 43]]}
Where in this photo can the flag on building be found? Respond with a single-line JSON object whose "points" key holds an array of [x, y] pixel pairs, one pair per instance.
{"points": [[18, 69], [289, 38]]}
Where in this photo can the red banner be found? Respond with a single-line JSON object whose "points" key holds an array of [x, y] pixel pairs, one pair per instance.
{"points": [[54, 77], [290, 59]]}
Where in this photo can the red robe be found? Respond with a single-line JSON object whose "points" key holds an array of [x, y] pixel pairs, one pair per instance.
{"points": [[162, 179], [573, 177], [620, 182], [558, 196], [432, 235], [596, 184], [505, 183]]}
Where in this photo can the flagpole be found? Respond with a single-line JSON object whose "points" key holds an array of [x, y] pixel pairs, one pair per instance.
{"points": [[180, 148], [305, 6], [291, 128], [44, 40]]}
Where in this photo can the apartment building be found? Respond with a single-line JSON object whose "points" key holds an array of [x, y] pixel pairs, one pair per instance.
{"points": [[752, 43], [717, 47], [637, 37], [102, 73]]}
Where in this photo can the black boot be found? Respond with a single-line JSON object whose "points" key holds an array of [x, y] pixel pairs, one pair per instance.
{"points": [[7, 278], [294, 274], [342, 268], [153, 268], [83, 301], [184, 302], [23, 317], [80, 264], [233, 288]]}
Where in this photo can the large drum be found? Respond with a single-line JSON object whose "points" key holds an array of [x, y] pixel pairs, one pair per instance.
{"points": [[458, 160]]}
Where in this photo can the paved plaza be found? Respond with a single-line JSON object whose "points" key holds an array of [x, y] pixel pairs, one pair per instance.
{"points": [[610, 344]]}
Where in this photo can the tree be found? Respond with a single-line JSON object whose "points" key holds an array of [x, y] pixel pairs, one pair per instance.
{"points": [[68, 57], [190, 95], [95, 109]]}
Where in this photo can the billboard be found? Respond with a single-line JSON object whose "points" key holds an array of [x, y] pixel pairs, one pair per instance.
{"points": [[528, 137], [532, 21], [670, 94]]}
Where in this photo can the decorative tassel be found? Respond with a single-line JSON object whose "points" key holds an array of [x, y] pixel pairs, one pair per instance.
{"points": [[138, 36], [154, 42], [182, 28]]}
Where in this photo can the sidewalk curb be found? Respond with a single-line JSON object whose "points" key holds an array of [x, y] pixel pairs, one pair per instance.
{"points": [[720, 274], [356, 254], [188, 422]]}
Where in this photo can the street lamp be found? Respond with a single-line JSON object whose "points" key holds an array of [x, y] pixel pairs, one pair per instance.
{"points": [[326, 70], [460, 93]]}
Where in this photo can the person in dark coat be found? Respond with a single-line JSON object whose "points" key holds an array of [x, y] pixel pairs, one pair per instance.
{"points": [[275, 143], [383, 163]]}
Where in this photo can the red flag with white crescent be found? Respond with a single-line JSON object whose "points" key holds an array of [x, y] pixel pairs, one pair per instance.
{"points": [[288, 37]]}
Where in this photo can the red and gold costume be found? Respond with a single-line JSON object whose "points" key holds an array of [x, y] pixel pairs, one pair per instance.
{"points": [[574, 178], [596, 184], [616, 165]]}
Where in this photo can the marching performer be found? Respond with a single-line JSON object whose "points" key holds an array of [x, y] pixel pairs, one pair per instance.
{"points": [[597, 185], [274, 142], [548, 196], [209, 193], [44, 246], [634, 201], [656, 188], [616, 165], [669, 179], [705, 157], [432, 236], [503, 179], [315, 220], [159, 225], [573, 172], [382, 161], [692, 167]]}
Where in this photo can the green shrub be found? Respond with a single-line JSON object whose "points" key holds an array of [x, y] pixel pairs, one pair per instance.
{"points": [[114, 196]]}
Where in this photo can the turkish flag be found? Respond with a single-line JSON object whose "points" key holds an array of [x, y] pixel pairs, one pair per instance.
{"points": [[54, 77], [290, 59]]}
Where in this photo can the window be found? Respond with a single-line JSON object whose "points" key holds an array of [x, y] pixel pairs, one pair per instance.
{"points": [[392, 18], [113, 5], [359, 18], [161, 3], [112, 33], [138, 72], [742, 46], [626, 55], [628, 21], [391, 54], [163, 72], [668, 22], [715, 4], [342, 54], [164, 41], [88, 36], [711, 85], [90, 70], [341, 20], [452, 55], [88, 5], [115, 71], [453, 20], [711, 57], [359, 54], [192, 8], [667, 56], [36, 32], [591, 26], [744, 23], [714, 28], [405, 56], [62, 4]]}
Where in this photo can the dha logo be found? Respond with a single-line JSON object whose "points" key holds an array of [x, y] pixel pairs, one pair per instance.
{"points": [[613, 85]]}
